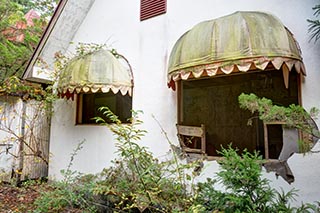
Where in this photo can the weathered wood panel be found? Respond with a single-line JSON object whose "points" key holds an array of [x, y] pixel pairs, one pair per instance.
{"points": [[36, 148], [9, 125]]}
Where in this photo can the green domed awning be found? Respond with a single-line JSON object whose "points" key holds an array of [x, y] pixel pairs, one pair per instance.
{"points": [[99, 71], [241, 41]]}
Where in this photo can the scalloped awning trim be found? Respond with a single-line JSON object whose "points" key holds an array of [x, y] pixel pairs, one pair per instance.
{"points": [[244, 65], [77, 89]]}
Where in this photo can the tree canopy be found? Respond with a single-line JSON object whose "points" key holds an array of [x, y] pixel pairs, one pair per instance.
{"points": [[19, 36], [45, 7]]}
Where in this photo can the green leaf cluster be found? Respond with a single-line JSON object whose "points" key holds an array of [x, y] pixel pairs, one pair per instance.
{"points": [[138, 181], [294, 116], [45, 7], [13, 55], [18, 43], [74, 191], [314, 25], [245, 188], [14, 86]]}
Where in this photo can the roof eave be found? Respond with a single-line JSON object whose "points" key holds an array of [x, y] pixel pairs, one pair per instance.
{"points": [[27, 74]]}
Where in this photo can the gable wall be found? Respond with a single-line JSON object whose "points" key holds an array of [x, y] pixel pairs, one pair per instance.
{"points": [[147, 46]]}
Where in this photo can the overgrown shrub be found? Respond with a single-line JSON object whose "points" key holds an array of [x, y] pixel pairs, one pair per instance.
{"points": [[245, 188], [138, 182], [73, 192]]}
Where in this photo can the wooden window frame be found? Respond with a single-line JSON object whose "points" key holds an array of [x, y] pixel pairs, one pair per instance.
{"points": [[118, 110], [186, 133], [180, 119], [265, 135]]}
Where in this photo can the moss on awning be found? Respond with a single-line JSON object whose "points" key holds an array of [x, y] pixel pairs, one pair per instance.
{"points": [[241, 41], [99, 71]]}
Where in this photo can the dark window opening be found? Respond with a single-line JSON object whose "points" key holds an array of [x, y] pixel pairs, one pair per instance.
{"points": [[275, 140], [88, 107], [214, 103], [152, 8]]}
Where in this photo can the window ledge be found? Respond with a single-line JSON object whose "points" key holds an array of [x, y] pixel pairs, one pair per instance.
{"points": [[216, 158]]}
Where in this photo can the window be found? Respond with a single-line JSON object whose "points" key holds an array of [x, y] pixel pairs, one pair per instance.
{"points": [[152, 8], [213, 102], [88, 106]]}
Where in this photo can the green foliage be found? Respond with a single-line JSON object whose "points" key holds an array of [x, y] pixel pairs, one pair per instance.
{"points": [[138, 181], [245, 188], [14, 86], [74, 191], [314, 25], [293, 116], [17, 43], [25, 4], [14, 53], [44, 7], [247, 191], [83, 49]]}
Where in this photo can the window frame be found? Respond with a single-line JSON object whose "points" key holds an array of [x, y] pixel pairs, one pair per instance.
{"points": [[119, 101], [180, 112]]}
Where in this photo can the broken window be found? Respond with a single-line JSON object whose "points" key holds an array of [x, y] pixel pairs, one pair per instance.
{"points": [[213, 102]]}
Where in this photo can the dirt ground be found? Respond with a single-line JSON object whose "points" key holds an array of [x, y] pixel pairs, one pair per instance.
{"points": [[14, 199], [21, 199]]}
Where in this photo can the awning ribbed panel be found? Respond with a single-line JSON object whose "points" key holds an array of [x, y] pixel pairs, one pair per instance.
{"points": [[99, 71], [241, 41]]}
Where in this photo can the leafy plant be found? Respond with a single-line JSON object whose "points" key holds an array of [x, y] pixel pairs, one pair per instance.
{"points": [[72, 192], [138, 181], [35, 99], [293, 116], [17, 38], [45, 7], [245, 188], [314, 25]]}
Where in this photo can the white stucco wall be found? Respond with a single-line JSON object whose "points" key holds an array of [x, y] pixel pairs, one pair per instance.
{"points": [[147, 46]]}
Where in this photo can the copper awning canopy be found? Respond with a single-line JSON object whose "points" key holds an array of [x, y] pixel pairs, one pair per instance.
{"points": [[99, 71], [239, 42]]}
